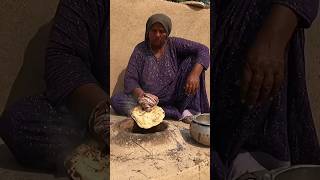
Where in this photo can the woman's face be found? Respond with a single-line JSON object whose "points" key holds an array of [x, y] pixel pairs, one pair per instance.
{"points": [[157, 35]]}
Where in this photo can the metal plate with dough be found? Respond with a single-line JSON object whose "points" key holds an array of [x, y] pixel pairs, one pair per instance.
{"points": [[146, 119]]}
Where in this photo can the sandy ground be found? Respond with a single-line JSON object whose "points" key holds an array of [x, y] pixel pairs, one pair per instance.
{"points": [[170, 155], [179, 157]]}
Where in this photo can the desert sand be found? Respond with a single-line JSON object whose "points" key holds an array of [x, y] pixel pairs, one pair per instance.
{"points": [[167, 155]]}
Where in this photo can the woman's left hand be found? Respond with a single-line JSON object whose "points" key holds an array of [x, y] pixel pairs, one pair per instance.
{"points": [[192, 84], [263, 73], [193, 80], [264, 69]]}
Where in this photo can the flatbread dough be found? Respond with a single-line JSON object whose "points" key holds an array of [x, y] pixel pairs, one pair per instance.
{"points": [[87, 162], [146, 119]]}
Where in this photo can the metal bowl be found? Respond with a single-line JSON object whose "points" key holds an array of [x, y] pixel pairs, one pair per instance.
{"points": [[200, 128], [297, 172]]}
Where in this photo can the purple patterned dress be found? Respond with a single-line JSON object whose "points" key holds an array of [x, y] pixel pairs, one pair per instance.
{"points": [[282, 127], [165, 77], [39, 130]]}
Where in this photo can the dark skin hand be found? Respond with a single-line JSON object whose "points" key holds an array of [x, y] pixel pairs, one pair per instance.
{"points": [[193, 80], [263, 72]]}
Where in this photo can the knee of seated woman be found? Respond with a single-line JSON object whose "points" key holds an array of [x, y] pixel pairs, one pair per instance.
{"points": [[123, 103]]}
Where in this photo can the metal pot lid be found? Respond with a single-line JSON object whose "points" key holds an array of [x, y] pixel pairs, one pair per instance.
{"points": [[202, 119]]}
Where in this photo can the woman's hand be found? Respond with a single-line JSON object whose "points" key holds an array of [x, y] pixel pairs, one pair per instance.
{"points": [[99, 122], [147, 101], [192, 84], [264, 69], [193, 80], [263, 73]]}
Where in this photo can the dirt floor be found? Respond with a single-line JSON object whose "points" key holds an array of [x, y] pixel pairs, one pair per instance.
{"points": [[170, 154]]}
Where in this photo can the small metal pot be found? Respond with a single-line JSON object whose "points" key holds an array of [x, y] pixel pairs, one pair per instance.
{"points": [[297, 172], [200, 128]]}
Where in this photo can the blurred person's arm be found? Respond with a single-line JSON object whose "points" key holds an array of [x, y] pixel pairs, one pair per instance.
{"points": [[264, 68], [69, 79]]}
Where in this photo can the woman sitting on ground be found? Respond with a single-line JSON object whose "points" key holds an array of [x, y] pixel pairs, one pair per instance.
{"points": [[165, 70]]}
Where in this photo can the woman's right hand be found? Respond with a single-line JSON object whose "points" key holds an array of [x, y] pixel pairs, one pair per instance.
{"points": [[147, 101], [99, 122]]}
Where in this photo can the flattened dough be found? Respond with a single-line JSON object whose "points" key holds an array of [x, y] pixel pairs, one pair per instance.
{"points": [[145, 119], [88, 162]]}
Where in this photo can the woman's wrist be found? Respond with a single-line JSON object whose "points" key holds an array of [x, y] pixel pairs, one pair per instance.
{"points": [[98, 118], [100, 109], [138, 92], [197, 69], [278, 28]]}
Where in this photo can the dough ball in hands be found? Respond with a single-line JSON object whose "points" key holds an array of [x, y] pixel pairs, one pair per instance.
{"points": [[147, 101]]}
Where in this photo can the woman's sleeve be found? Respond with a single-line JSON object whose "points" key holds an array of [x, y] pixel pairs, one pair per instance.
{"points": [[131, 77], [186, 48], [306, 10], [68, 48]]}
